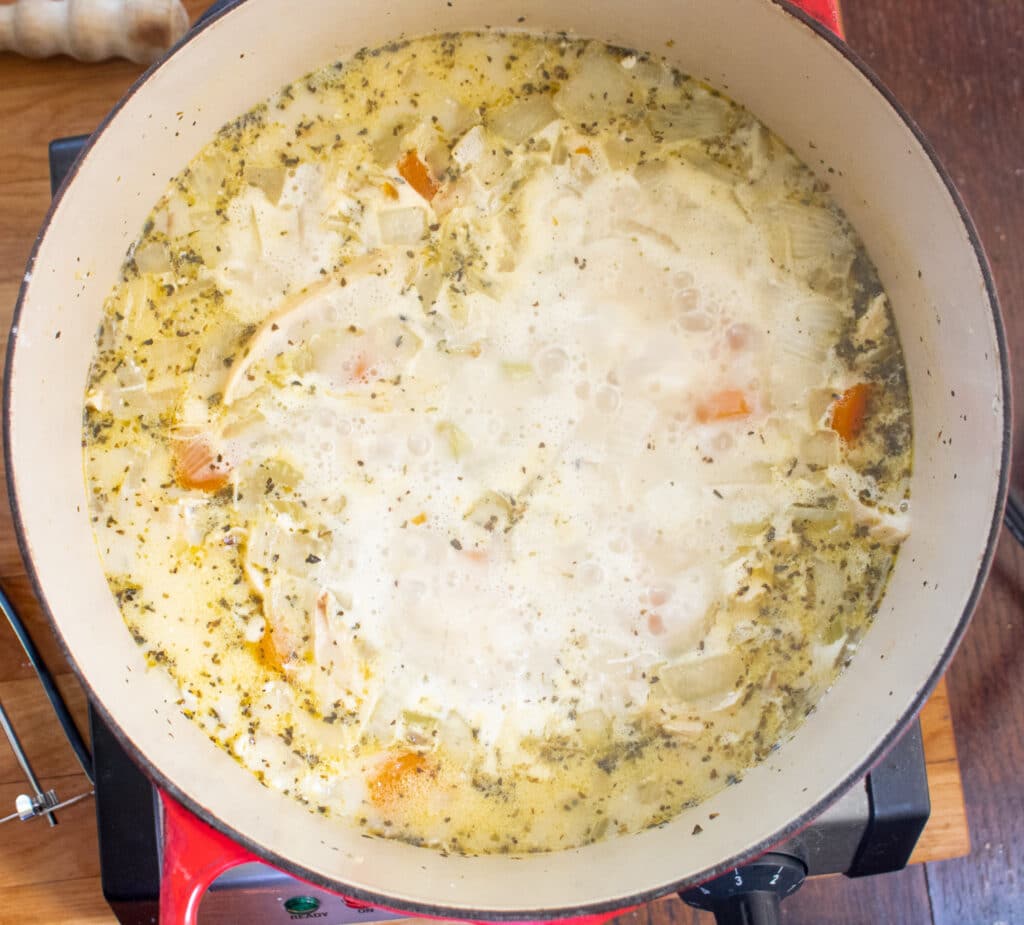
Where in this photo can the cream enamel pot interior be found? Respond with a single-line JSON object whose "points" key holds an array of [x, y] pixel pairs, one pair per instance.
{"points": [[806, 87]]}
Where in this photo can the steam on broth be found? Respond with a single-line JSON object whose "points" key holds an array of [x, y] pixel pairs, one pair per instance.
{"points": [[503, 440]]}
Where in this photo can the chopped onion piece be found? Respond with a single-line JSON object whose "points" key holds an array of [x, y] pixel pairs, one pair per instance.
{"points": [[599, 87], [268, 179], [402, 226], [477, 152], [704, 678], [519, 121], [153, 257], [702, 117]]}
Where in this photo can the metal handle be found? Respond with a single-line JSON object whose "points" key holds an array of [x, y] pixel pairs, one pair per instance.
{"points": [[41, 799], [28, 807]]}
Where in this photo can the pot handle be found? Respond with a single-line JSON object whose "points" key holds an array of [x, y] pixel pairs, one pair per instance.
{"points": [[826, 12], [598, 919], [194, 855]]}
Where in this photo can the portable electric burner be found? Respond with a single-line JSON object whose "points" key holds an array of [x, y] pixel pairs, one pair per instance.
{"points": [[871, 830]]}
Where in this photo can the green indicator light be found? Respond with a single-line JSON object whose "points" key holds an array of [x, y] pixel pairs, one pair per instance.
{"points": [[301, 905]]}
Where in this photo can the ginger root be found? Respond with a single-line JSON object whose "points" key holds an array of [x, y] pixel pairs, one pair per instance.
{"points": [[91, 30]]}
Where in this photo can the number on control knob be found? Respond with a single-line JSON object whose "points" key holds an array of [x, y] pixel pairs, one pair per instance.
{"points": [[749, 894]]}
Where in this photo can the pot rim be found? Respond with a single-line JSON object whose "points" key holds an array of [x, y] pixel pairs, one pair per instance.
{"points": [[210, 817]]}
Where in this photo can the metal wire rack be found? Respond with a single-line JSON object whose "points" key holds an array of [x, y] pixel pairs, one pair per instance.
{"points": [[41, 802]]}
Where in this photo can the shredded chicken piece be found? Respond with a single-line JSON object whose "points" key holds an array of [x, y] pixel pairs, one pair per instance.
{"points": [[886, 526], [270, 334], [871, 326]]}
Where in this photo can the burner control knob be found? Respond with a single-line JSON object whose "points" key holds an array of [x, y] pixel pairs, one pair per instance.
{"points": [[749, 895]]}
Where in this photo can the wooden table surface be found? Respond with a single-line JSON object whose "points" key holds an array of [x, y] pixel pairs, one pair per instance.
{"points": [[958, 67]]}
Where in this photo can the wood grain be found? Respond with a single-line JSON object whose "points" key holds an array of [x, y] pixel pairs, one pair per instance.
{"points": [[890, 899], [958, 68], [946, 835], [78, 901], [33, 720], [53, 873]]}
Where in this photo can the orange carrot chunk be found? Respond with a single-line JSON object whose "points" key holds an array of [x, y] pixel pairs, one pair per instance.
{"points": [[360, 369], [395, 775], [389, 190], [279, 646], [198, 465], [723, 406], [417, 175], [268, 653], [848, 411]]}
